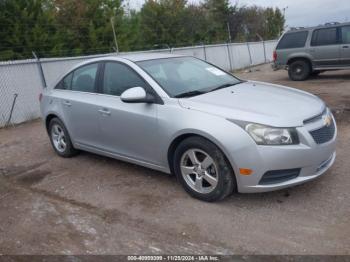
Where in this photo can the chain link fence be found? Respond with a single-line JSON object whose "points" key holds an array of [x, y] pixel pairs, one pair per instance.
{"points": [[21, 83]]}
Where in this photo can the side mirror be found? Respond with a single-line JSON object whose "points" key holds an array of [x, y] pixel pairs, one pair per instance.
{"points": [[137, 95]]}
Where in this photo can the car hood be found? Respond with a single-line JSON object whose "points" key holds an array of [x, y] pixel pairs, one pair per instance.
{"points": [[258, 102]]}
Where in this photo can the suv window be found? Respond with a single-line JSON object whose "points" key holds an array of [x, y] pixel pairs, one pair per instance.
{"points": [[327, 36], [345, 33], [84, 78], [293, 40], [118, 78]]}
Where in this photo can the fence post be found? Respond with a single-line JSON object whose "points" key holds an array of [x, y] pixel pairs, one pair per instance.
{"points": [[250, 55], [205, 52], [264, 51], [229, 56], [41, 72], [11, 112]]}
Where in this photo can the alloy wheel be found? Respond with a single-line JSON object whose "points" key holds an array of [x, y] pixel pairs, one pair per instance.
{"points": [[58, 138], [199, 171]]}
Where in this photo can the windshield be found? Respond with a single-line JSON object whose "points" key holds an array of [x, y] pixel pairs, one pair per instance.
{"points": [[187, 76]]}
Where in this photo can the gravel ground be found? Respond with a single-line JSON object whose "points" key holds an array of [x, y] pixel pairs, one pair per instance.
{"points": [[95, 205]]}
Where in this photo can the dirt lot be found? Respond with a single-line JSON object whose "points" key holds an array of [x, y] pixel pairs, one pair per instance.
{"points": [[96, 205]]}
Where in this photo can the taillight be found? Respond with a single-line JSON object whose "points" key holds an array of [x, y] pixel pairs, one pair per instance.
{"points": [[40, 97], [274, 56]]}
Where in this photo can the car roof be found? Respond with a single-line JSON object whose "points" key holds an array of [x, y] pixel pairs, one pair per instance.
{"points": [[327, 25], [147, 56], [136, 57]]}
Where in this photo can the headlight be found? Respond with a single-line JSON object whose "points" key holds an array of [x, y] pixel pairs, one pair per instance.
{"points": [[264, 135]]}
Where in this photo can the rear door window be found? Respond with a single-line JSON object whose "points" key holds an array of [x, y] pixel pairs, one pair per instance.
{"points": [[84, 78], [345, 33], [293, 40], [326, 36]]}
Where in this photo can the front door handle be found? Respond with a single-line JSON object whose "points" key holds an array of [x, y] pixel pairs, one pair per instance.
{"points": [[67, 103], [345, 46], [105, 111]]}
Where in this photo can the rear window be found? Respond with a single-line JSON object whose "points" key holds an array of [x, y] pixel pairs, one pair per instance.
{"points": [[293, 40], [327, 36]]}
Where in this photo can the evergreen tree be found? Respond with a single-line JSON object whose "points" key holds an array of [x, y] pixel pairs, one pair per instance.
{"points": [[218, 12], [66, 28]]}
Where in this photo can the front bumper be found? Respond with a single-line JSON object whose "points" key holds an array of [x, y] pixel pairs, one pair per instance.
{"points": [[311, 158], [307, 174]]}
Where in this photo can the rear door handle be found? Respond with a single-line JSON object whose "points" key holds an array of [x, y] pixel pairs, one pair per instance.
{"points": [[67, 103], [345, 46], [105, 111]]}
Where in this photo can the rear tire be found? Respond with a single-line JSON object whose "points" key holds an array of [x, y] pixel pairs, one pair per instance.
{"points": [[60, 139], [299, 70], [203, 170]]}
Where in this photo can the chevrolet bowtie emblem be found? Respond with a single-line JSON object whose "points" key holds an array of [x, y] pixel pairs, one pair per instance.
{"points": [[327, 120]]}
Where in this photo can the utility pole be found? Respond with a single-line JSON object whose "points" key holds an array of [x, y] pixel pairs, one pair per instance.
{"points": [[114, 35]]}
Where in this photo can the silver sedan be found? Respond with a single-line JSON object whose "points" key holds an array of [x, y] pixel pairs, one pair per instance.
{"points": [[181, 115]]}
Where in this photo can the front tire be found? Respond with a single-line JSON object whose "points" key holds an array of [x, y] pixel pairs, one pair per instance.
{"points": [[60, 139], [203, 170], [299, 70]]}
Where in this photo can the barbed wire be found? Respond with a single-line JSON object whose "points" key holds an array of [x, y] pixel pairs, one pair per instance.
{"points": [[60, 52]]}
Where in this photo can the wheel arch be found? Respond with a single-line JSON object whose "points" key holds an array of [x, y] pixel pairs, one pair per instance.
{"points": [[51, 116], [298, 58], [48, 119], [181, 137]]}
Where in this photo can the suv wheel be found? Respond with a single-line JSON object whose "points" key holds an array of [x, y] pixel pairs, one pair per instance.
{"points": [[299, 70], [203, 170], [60, 139]]}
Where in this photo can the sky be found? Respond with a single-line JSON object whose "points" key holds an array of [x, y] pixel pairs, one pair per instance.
{"points": [[299, 12]]}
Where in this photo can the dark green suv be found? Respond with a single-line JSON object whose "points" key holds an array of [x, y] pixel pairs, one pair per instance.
{"points": [[310, 51]]}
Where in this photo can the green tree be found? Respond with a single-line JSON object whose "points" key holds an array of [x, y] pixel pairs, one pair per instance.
{"points": [[26, 27], [80, 27], [129, 34], [274, 23], [196, 25], [84, 26], [218, 12], [251, 23], [162, 22]]}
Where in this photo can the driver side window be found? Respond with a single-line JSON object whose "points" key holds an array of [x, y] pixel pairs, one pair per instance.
{"points": [[118, 78]]}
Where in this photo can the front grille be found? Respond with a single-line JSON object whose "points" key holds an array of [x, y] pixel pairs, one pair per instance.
{"points": [[279, 176], [324, 134], [315, 118]]}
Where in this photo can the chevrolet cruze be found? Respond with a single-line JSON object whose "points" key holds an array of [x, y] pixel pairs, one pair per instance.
{"points": [[177, 114]]}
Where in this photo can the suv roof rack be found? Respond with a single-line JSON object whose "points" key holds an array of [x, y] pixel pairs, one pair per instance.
{"points": [[331, 23], [296, 28]]}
